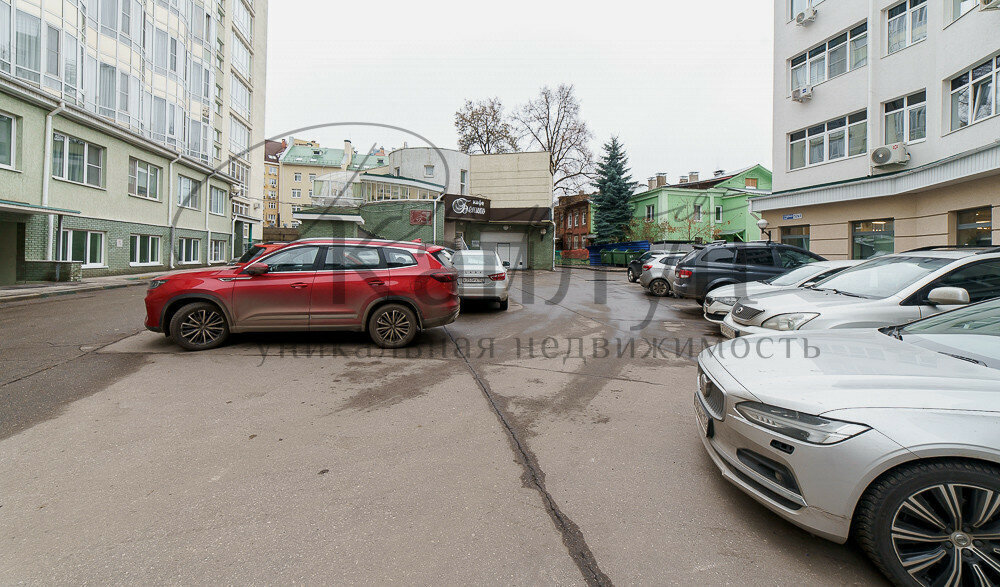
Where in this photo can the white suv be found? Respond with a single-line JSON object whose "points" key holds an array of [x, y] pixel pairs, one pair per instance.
{"points": [[886, 291]]}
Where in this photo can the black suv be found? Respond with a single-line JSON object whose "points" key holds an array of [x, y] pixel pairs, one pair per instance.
{"points": [[718, 264]]}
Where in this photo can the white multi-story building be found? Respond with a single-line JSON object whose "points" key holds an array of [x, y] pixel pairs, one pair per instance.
{"points": [[139, 120], [919, 77]]}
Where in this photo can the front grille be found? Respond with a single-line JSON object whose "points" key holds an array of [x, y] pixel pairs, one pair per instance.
{"points": [[745, 313], [712, 395]]}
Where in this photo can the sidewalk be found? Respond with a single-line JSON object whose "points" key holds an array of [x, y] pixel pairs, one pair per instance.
{"points": [[605, 268], [31, 291]]}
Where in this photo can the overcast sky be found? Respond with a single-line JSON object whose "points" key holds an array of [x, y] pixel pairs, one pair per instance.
{"points": [[685, 85]]}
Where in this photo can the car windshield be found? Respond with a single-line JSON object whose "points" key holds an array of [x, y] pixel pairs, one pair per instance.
{"points": [[882, 277], [795, 276], [251, 254], [981, 318]]}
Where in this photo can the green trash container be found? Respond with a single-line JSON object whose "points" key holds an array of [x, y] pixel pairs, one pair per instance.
{"points": [[632, 256], [606, 257], [620, 257]]}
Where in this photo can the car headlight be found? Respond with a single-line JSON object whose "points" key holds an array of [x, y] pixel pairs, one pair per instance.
{"points": [[788, 321], [804, 427], [727, 301], [156, 283]]}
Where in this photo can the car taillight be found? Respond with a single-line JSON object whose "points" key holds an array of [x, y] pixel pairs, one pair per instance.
{"points": [[684, 273], [498, 276], [647, 267], [445, 277]]}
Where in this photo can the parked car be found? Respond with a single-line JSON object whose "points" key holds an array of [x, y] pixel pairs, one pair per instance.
{"points": [[721, 264], [482, 276], [635, 265], [656, 275], [886, 291], [721, 300], [889, 436], [391, 290]]}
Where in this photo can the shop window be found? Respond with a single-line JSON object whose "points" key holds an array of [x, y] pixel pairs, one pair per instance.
{"points": [[872, 238], [797, 236], [975, 227]]}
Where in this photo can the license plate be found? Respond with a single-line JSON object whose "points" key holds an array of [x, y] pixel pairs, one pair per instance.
{"points": [[473, 280], [727, 331], [705, 420]]}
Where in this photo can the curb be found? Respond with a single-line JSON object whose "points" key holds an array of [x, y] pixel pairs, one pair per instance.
{"points": [[54, 294], [594, 268]]}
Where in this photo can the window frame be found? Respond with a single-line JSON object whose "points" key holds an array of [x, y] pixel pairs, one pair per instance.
{"points": [[803, 136], [808, 59], [212, 256], [911, 103], [650, 212], [911, 7], [194, 189], [186, 245], [66, 139], [969, 85], [135, 249], [13, 141], [134, 165], [67, 247], [213, 193]]}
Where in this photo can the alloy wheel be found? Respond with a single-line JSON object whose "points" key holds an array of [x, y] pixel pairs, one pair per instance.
{"points": [[202, 327], [659, 287], [949, 535], [392, 326]]}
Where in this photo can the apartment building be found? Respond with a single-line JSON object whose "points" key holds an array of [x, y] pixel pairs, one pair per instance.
{"points": [[126, 135], [301, 163], [886, 125], [272, 177]]}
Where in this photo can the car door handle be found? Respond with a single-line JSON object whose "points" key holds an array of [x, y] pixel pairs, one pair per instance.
{"points": [[375, 282], [299, 285]]}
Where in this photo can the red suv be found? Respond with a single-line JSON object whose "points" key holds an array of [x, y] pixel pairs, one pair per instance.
{"points": [[391, 290]]}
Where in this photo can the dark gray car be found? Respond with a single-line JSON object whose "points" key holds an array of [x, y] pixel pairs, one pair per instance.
{"points": [[726, 263]]}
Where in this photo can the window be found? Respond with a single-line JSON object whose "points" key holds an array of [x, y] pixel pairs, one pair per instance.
{"points": [[28, 51], [143, 179], [696, 215], [981, 280], [239, 137], [650, 213], [273, 182], [84, 247], [5, 36], [293, 260], [296, 193], [960, 7], [872, 238], [242, 60], [975, 227], [339, 258], [463, 182], [790, 258], [189, 250], [312, 177], [144, 250], [428, 171], [272, 205], [750, 182], [70, 60], [718, 213], [242, 19], [8, 130], [398, 258], [973, 94], [907, 24], [719, 255], [583, 218], [217, 251], [52, 58], [837, 139], [843, 53], [755, 256], [906, 119], [796, 236], [173, 55], [77, 161], [240, 97], [217, 201], [298, 177], [188, 192]]}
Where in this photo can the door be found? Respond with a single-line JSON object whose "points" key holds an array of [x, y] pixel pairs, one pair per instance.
{"points": [[278, 299], [757, 263], [512, 253], [350, 279]]}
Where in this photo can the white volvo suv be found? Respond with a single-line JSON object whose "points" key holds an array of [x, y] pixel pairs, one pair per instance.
{"points": [[887, 291]]}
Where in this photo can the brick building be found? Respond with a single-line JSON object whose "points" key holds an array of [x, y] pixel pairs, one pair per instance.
{"points": [[573, 217]]}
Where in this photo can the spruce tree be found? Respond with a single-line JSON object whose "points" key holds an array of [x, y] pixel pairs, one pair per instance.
{"points": [[613, 207]]}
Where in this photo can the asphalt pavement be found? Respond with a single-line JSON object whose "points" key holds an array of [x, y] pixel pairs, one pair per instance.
{"points": [[552, 443]]}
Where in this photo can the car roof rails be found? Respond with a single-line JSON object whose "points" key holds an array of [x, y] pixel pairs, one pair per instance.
{"points": [[980, 249]]}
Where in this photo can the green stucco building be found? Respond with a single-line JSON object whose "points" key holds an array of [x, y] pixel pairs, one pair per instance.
{"points": [[704, 209]]}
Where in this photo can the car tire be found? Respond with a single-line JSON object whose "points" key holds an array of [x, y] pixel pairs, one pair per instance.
{"points": [[935, 487], [199, 326], [659, 287], [631, 276], [503, 305], [393, 326]]}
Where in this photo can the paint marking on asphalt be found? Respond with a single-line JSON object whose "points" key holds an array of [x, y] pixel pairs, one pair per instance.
{"points": [[572, 536]]}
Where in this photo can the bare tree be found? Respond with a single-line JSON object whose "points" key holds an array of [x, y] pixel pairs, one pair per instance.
{"points": [[484, 128], [552, 122]]}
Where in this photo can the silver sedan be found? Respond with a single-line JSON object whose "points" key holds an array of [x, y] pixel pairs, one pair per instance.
{"points": [[891, 436], [482, 276]]}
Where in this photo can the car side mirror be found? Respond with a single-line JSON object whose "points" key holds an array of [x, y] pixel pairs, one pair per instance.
{"points": [[948, 296], [506, 264], [257, 269]]}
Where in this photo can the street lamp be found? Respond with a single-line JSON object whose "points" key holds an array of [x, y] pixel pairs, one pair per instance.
{"points": [[762, 225]]}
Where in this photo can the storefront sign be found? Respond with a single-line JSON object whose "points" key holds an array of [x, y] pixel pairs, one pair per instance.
{"points": [[466, 208], [792, 217], [420, 217]]}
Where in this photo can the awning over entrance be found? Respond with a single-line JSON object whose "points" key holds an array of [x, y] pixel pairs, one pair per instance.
{"points": [[24, 208]]}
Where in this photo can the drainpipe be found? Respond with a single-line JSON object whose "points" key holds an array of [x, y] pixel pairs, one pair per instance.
{"points": [[434, 218], [47, 175], [170, 208]]}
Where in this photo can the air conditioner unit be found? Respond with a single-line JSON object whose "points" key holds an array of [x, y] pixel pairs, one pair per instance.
{"points": [[206, 112], [990, 4], [802, 94], [805, 17], [894, 154]]}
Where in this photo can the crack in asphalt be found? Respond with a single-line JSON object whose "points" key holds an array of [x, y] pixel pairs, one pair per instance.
{"points": [[533, 475]]}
